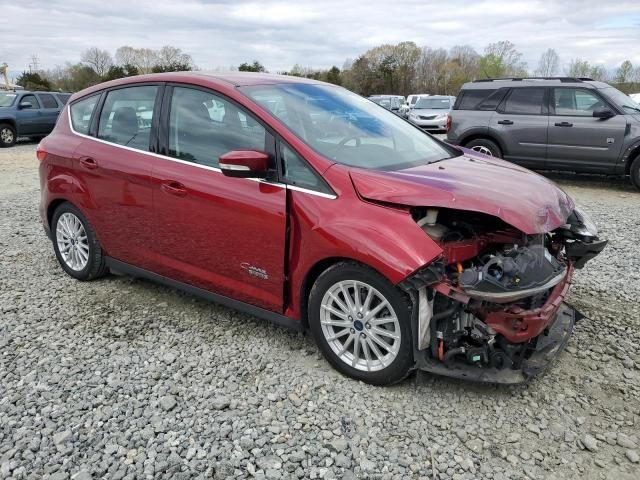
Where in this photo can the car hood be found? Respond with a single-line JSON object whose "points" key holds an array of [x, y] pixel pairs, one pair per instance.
{"points": [[521, 198]]}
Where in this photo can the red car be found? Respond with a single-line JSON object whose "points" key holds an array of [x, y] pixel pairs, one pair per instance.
{"points": [[315, 208]]}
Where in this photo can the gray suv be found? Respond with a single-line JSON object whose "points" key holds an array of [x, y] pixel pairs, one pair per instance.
{"points": [[551, 123]]}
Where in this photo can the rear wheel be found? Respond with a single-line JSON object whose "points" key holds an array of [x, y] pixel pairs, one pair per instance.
{"points": [[361, 321], [485, 146], [634, 172], [76, 245], [8, 135]]}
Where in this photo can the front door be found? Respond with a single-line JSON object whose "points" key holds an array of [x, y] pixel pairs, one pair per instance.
{"points": [[226, 235], [29, 115], [520, 122], [579, 141], [117, 171]]}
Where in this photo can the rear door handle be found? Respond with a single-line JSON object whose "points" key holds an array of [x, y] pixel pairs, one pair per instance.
{"points": [[505, 122], [564, 124], [88, 162], [173, 188]]}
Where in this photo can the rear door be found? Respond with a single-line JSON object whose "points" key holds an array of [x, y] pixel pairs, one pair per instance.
{"points": [[521, 122], [577, 140], [222, 234], [50, 111], [114, 164]]}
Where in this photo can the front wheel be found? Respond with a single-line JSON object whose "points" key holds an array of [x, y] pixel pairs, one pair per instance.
{"points": [[361, 323], [485, 146], [8, 135]]}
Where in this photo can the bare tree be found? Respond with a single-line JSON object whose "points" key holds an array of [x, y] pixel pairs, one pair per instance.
{"points": [[170, 56], [99, 60], [548, 63], [145, 59], [125, 55], [502, 58]]}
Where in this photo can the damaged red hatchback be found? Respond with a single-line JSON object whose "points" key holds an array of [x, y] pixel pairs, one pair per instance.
{"points": [[308, 205]]}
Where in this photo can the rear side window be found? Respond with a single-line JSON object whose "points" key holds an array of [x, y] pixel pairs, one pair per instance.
{"points": [[525, 101], [47, 100], [126, 116], [63, 97], [470, 99], [493, 100], [81, 112]]}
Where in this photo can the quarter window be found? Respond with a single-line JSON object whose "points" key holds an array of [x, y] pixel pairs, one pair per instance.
{"points": [[47, 100], [575, 102], [525, 101], [81, 112], [203, 126], [126, 116], [470, 99], [30, 99], [295, 171]]}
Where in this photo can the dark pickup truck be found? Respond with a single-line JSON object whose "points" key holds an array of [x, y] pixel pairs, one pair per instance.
{"points": [[28, 114]]}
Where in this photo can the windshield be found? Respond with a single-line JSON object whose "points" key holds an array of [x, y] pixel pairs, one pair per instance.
{"points": [[7, 99], [433, 103], [346, 127], [383, 102], [621, 100]]}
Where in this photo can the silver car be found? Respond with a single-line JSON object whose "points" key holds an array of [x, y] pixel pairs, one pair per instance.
{"points": [[432, 113]]}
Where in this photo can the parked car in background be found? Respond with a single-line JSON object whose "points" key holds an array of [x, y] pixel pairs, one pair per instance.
{"points": [[551, 123], [28, 114], [390, 102], [305, 204], [413, 98], [432, 113]]}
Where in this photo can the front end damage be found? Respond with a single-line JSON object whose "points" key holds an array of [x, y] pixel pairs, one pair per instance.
{"points": [[492, 307]]}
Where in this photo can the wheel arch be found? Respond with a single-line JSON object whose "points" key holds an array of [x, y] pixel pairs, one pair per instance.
{"points": [[633, 156]]}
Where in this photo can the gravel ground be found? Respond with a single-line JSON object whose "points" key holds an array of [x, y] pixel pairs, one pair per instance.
{"points": [[121, 378]]}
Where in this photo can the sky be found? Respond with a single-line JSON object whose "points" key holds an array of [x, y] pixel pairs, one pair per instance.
{"points": [[223, 34]]}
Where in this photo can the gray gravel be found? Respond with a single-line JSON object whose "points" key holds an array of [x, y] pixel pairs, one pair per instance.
{"points": [[121, 378]]}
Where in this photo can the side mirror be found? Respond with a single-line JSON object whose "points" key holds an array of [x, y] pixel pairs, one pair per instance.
{"points": [[244, 164], [25, 105], [603, 112]]}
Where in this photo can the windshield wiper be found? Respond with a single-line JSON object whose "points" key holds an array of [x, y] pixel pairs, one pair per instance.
{"points": [[632, 108]]}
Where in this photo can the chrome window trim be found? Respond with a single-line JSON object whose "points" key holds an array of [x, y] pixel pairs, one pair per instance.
{"points": [[192, 164]]}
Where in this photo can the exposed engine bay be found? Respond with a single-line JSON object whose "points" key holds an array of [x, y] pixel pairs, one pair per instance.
{"points": [[492, 307]]}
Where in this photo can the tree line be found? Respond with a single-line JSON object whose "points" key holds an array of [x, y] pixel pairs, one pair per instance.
{"points": [[402, 69]]}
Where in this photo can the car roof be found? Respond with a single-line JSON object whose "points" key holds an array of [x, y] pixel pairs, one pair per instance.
{"points": [[235, 79], [493, 83]]}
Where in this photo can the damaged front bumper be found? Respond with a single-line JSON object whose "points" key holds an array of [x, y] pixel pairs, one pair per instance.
{"points": [[547, 349]]}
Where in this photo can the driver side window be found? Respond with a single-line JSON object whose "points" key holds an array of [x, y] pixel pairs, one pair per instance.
{"points": [[575, 102]]}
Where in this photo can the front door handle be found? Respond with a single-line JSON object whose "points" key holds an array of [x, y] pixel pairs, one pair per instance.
{"points": [[564, 124], [173, 188], [505, 122], [88, 162]]}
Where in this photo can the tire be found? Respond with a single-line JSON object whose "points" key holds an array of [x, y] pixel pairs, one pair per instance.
{"points": [[86, 261], [634, 172], [8, 135], [485, 146], [378, 366]]}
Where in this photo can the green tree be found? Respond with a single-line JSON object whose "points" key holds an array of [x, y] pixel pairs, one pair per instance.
{"points": [[33, 81], [333, 75], [501, 59], [624, 74], [256, 66]]}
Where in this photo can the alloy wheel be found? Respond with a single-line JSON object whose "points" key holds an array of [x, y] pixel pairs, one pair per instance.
{"points": [[72, 240], [360, 325], [6, 135], [482, 149]]}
